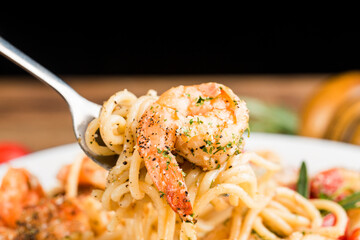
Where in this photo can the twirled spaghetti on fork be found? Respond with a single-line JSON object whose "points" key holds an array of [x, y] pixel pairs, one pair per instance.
{"points": [[182, 172]]}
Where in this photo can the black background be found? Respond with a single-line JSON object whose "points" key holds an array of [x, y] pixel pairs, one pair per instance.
{"points": [[141, 50]]}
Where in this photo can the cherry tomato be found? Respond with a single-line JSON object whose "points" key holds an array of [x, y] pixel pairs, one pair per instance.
{"points": [[355, 235], [329, 220], [327, 183], [10, 150]]}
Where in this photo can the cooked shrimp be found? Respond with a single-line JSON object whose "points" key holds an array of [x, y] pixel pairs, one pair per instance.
{"points": [[56, 218], [18, 190], [26, 213], [202, 123], [7, 233], [90, 174]]}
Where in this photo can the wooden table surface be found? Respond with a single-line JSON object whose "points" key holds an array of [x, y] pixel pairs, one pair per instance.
{"points": [[36, 116]]}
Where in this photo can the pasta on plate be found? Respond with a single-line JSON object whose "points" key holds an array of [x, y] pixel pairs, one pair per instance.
{"points": [[183, 173], [230, 190]]}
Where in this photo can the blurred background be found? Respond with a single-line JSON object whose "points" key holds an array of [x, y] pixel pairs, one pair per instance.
{"points": [[295, 81]]}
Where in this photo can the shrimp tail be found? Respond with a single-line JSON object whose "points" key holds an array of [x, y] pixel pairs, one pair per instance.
{"points": [[170, 185], [160, 163]]}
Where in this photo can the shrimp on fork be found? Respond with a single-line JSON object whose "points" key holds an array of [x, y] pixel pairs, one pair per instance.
{"points": [[202, 123]]}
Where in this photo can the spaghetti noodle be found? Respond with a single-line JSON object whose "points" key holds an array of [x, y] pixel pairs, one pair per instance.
{"points": [[230, 201]]}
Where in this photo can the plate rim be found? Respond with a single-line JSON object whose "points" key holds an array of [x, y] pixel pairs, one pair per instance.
{"points": [[307, 151], [258, 134]]}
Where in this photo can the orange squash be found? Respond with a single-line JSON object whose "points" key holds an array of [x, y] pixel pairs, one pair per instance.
{"points": [[333, 112]]}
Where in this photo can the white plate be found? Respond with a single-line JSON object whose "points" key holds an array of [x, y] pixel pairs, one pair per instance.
{"points": [[318, 154]]}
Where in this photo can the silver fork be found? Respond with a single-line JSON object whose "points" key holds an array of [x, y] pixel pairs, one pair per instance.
{"points": [[82, 110]]}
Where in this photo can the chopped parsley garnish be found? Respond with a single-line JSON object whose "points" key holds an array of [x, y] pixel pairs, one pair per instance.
{"points": [[204, 149], [186, 132], [165, 153], [191, 121], [201, 100], [248, 131], [219, 149], [162, 194], [229, 145], [211, 149]]}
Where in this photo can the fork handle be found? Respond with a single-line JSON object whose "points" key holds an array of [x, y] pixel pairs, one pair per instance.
{"points": [[35, 69]]}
